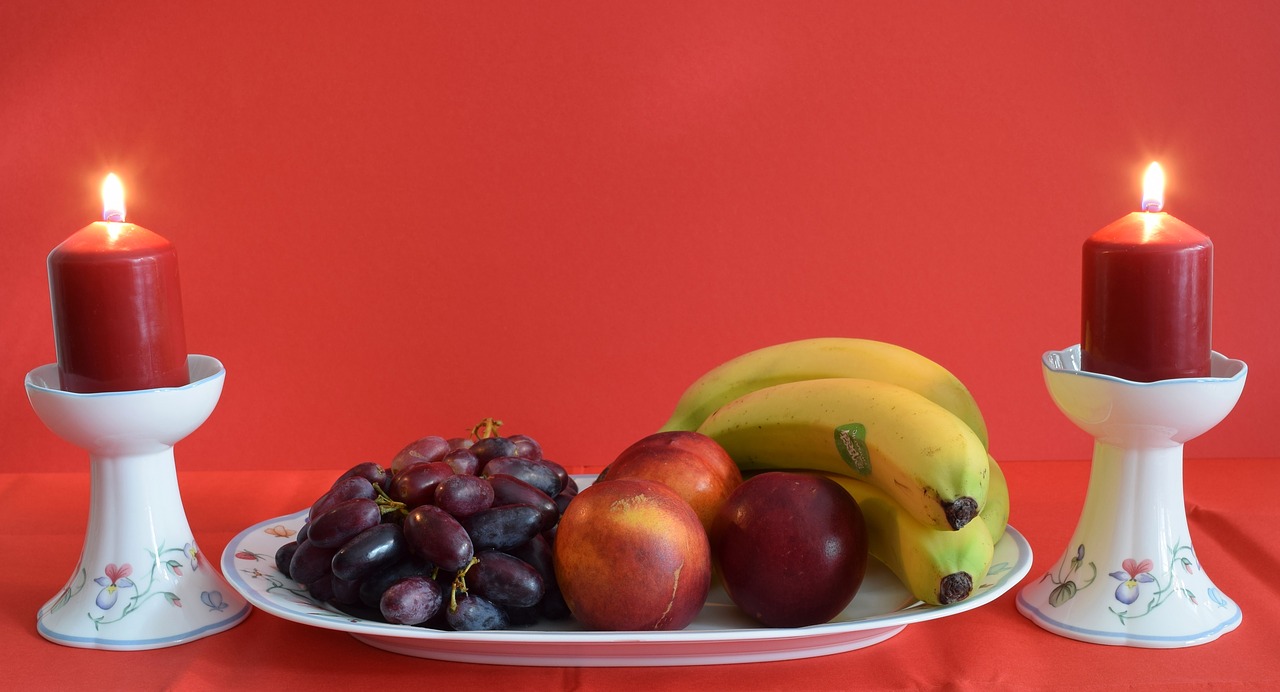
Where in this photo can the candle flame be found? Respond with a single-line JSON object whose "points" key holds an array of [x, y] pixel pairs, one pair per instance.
{"points": [[1153, 188], [112, 198]]}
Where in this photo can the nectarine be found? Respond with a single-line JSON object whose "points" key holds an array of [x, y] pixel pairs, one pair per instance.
{"points": [[631, 555], [695, 466]]}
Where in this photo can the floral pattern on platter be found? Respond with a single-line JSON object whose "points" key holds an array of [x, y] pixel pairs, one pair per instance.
{"points": [[279, 531], [277, 583], [118, 579], [994, 574]]}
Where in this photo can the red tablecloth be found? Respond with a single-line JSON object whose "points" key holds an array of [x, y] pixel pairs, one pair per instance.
{"points": [[1231, 509]]}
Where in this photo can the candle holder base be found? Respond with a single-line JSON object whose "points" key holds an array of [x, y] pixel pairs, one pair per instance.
{"points": [[141, 582], [1130, 575]]}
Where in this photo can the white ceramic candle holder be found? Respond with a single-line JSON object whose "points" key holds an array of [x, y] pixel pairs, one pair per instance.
{"points": [[141, 582], [1130, 575]]}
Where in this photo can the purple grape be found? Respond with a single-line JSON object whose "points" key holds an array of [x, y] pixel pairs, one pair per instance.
{"points": [[464, 462], [358, 610], [562, 501], [526, 447], [561, 474], [346, 591], [509, 490], [371, 471], [463, 496], [537, 554], [475, 613], [310, 562], [322, 589], [535, 473], [284, 555], [373, 585], [343, 522], [416, 485], [459, 443], [493, 447], [349, 488], [410, 601], [505, 580], [435, 536], [373, 549], [428, 449], [500, 528]]}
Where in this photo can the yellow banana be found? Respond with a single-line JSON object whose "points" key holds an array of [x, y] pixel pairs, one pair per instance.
{"points": [[996, 512], [937, 567], [906, 445], [812, 359]]}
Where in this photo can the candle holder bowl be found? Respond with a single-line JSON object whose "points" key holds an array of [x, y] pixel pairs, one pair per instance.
{"points": [[141, 582], [1130, 575]]}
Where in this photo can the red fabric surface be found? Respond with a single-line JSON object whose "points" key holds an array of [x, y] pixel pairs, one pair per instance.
{"points": [[1231, 512]]}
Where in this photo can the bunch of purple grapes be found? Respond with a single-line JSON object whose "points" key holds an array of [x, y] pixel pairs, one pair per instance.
{"points": [[455, 535]]}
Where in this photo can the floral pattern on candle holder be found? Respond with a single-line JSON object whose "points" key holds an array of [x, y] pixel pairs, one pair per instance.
{"points": [[1133, 573], [118, 578], [139, 596], [72, 590], [114, 579], [213, 599], [1065, 587]]}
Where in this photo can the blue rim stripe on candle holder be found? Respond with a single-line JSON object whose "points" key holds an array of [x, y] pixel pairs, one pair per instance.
{"points": [[1119, 637], [127, 644]]}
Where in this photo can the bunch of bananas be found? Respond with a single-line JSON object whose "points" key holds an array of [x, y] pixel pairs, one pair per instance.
{"points": [[898, 431]]}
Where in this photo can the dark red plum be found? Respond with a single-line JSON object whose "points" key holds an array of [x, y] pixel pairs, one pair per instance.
{"points": [[791, 547]]}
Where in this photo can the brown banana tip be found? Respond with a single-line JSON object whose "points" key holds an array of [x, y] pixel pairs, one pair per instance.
{"points": [[955, 588], [960, 511]]}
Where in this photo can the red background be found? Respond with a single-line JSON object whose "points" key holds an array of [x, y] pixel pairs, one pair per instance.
{"points": [[395, 218]]}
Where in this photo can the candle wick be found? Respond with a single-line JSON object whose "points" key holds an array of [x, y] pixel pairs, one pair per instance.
{"points": [[1151, 206], [115, 216]]}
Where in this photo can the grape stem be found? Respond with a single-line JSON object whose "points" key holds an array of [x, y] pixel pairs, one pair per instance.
{"points": [[386, 505], [486, 428], [460, 583]]}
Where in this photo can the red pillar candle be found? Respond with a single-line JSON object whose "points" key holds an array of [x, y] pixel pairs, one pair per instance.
{"points": [[1148, 294], [117, 310]]}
